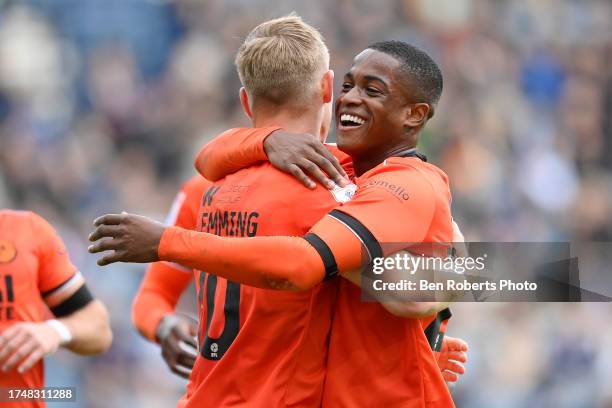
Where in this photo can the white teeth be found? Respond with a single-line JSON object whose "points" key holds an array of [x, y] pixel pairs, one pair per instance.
{"points": [[351, 118]]}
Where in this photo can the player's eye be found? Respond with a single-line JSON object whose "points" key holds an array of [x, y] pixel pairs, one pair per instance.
{"points": [[372, 91], [346, 86]]}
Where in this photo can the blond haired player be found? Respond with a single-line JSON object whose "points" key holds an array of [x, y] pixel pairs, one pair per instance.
{"points": [[251, 323]]}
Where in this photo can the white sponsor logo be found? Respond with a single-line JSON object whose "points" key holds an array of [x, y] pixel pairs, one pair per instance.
{"points": [[343, 194]]}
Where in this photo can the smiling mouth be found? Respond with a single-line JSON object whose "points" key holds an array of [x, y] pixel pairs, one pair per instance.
{"points": [[351, 121]]}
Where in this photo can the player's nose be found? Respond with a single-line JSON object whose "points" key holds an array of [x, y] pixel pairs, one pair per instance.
{"points": [[352, 97]]}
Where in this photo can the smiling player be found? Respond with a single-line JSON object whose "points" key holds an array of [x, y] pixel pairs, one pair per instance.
{"points": [[404, 373]]}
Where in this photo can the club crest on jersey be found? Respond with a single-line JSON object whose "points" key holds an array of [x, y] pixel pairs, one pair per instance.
{"points": [[343, 194], [8, 252]]}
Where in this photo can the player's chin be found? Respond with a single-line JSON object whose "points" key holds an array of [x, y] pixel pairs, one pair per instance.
{"points": [[350, 137]]}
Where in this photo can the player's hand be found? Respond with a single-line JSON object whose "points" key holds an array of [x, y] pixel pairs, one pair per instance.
{"points": [[302, 155], [132, 238], [452, 357], [25, 344], [176, 336], [459, 242]]}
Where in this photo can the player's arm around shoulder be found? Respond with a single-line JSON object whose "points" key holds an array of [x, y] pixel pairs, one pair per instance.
{"points": [[302, 155]]}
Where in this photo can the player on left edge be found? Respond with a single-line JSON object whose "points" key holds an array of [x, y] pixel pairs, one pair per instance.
{"points": [[44, 304]]}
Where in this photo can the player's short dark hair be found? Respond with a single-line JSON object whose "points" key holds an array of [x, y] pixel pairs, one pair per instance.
{"points": [[420, 68]]}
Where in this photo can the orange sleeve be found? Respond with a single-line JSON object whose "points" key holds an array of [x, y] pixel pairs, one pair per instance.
{"points": [[264, 262], [391, 206], [158, 295], [55, 270], [231, 151]]}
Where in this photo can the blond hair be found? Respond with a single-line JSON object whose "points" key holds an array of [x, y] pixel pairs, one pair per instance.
{"points": [[281, 59]]}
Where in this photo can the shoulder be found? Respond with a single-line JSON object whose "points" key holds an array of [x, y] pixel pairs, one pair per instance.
{"points": [[195, 186], [31, 225], [404, 179], [410, 169], [25, 219]]}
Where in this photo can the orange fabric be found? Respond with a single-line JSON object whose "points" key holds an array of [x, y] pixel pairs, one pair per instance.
{"points": [[401, 200], [264, 262], [33, 260], [376, 359], [239, 148], [258, 347], [231, 151], [164, 282]]}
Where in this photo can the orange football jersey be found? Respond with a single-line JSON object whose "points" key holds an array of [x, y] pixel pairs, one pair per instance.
{"points": [[260, 348], [34, 269], [375, 358]]}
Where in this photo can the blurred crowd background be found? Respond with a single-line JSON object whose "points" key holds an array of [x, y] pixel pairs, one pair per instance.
{"points": [[103, 104]]}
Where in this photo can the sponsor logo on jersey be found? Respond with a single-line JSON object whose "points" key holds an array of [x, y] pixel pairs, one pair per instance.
{"points": [[209, 195], [8, 252], [397, 190], [343, 194]]}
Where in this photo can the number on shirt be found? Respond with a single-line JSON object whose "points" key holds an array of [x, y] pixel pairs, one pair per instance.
{"points": [[213, 348]]}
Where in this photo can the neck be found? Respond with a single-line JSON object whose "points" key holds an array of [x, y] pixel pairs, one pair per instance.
{"points": [[305, 121], [363, 164]]}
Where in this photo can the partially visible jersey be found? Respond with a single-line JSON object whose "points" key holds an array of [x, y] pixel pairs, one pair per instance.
{"points": [[34, 266], [375, 358], [260, 348], [251, 355], [186, 204]]}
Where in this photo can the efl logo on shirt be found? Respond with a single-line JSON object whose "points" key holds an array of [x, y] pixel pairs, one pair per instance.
{"points": [[343, 194], [214, 348]]}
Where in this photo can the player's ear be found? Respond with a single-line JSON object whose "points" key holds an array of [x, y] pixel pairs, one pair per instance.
{"points": [[244, 101], [417, 114], [327, 86]]}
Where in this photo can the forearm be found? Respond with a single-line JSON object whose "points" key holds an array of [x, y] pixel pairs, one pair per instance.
{"points": [[285, 263], [148, 310], [393, 302], [390, 286], [232, 151], [89, 328], [158, 295]]}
